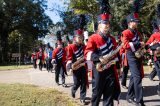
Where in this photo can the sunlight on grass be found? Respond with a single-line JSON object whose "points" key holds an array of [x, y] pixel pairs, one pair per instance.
{"points": [[14, 67], [147, 68], [29, 95]]}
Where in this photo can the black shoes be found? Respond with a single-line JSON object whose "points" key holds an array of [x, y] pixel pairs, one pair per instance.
{"points": [[140, 104], [129, 100], [83, 102], [150, 78], [64, 85], [158, 90], [73, 95], [125, 87]]}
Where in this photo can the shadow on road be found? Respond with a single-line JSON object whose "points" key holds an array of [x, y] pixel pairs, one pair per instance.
{"points": [[123, 95], [149, 90], [155, 100]]}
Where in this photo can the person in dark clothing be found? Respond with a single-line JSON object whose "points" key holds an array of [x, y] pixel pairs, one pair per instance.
{"points": [[59, 61]]}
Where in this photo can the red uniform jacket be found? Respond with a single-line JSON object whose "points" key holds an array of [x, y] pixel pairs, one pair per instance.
{"points": [[130, 43], [42, 57], [122, 55], [96, 42], [34, 56], [128, 38], [74, 52], [66, 49], [59, 55], [155, 36], [150, 42]]}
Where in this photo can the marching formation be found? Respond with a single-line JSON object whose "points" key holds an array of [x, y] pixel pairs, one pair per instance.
{"points": [[102, 56]]}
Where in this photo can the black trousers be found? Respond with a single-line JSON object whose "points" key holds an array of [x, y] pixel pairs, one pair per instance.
{"points": [[153, 73], [94, 73], [40, 64], [157, 68], [34, 63], [60, 70], [135, 89], [104, 84], [79, 79], [124, 75], [49, 64]]}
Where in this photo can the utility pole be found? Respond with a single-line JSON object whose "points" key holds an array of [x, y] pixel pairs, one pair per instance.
{"points": [[19, 49]]}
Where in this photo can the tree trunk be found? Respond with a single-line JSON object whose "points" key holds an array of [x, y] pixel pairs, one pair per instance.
{"points": [[0, 43], [5, 47], [4, 43], [0, 48]]}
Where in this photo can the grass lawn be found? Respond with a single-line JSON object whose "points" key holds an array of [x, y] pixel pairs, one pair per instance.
{"points": [[29, 95], [147, 68], [14, 67]]}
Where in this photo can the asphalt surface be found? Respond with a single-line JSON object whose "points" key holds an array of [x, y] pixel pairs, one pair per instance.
{"points": [[45, 79]]}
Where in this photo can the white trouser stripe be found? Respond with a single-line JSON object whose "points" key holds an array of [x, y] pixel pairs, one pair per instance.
{"points": [[68, 62], [132, 46], [89, 64], [89, 55]]}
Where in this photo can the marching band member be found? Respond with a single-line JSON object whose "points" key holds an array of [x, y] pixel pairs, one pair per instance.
{"points": [[58, 60], [125, 68], [154, 44], [156, 30], [41, 57], [34, 59], [132, 43], [124, 64], [104, 82], [75, 52]]}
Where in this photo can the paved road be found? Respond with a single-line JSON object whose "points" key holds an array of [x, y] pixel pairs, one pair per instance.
{"points": [[45, 79]]}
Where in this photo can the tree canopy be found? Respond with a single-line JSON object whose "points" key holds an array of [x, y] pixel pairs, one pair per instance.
{"points": [[119, 10], [26, 16]]}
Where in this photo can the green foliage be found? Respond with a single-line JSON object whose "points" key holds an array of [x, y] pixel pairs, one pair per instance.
{"points": [[84, 6], [88, 7], [27, 17], [27, 43], [119, 10], [70, 21]]}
